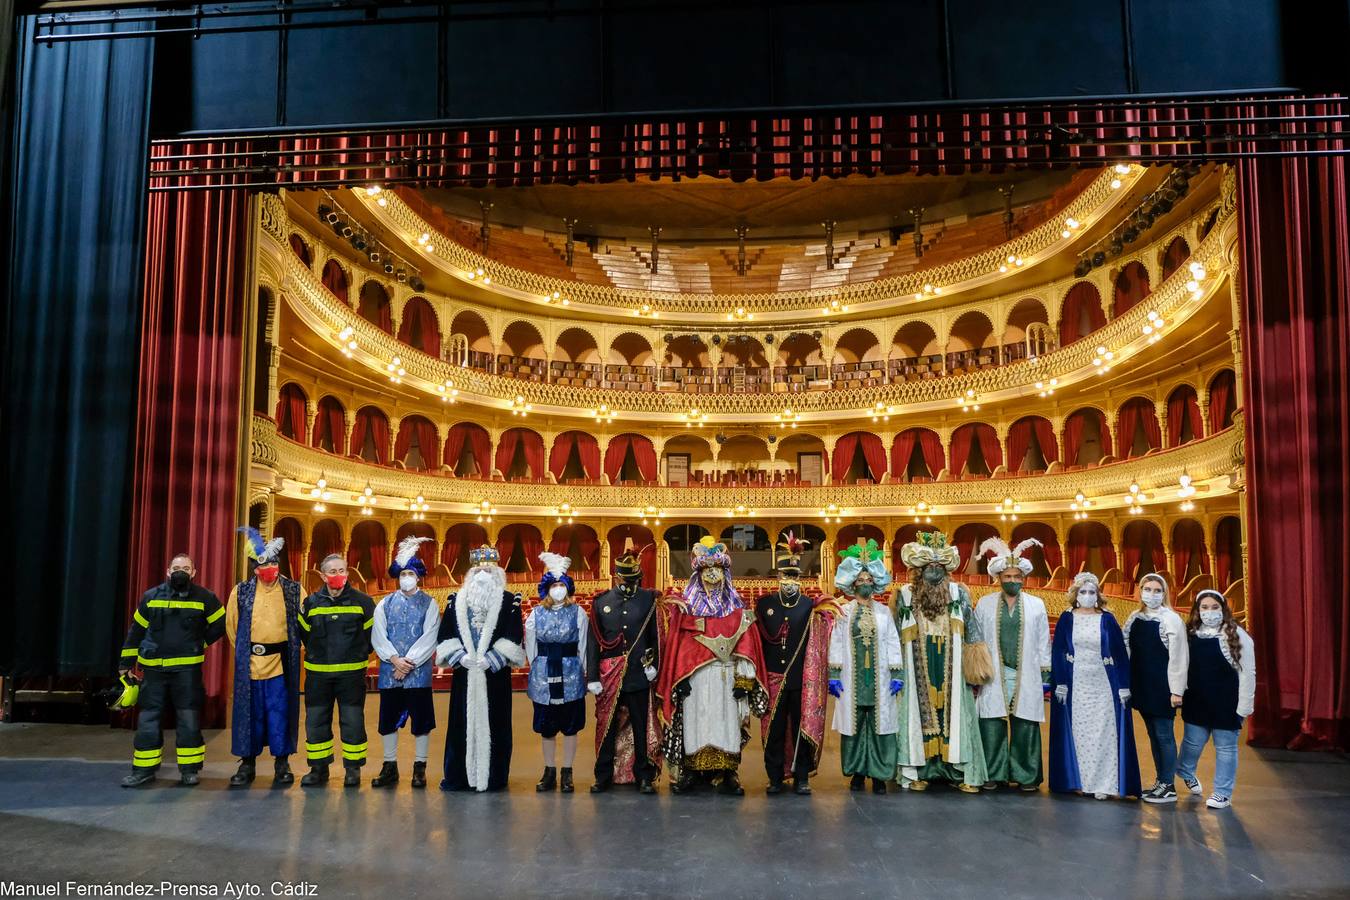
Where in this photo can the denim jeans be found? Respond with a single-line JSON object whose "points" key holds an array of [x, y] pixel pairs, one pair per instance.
{"points": [[1193, 741], [1162, 739]]}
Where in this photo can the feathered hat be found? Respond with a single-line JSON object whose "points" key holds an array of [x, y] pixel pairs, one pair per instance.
{"points": [[790, 550], [259, 550], [856, 558], [629, 564], [710, 552], [406, 559], [931, 547], [1005, 557], [555, 571]]}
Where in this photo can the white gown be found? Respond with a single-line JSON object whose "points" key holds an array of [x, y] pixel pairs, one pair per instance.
{"points": [[1094, 712]]}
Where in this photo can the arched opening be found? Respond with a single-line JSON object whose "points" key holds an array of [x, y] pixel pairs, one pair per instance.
{"points": [[581, 544], [468, 451], [639, 539], [745, 367], [915, 353], [743, 459], [368, 552], [858, 533], [1081, 313], [686, 364], [750, 548], [1227, 552], [576, 360], [681, 540], [416, 446], [1137, 430], [524, 356], [975, 451], [1086, 440], [631, 363], [1090, 549], [917, 455], [858, 457], [335, 280], [1044, 559], [291, 563], [324, 540], [858, 360], [810, 559], [800, 362], [805, 453], [1031, 445], [426, 551], [330, 426], [1142, 546], [459, 540], [1190, 556], [575, 458], [967, 539], [419, 327], [519, 546], [971, 344], [1177, 252], [262, 351], [905, 534], [301, 250], [687, 459], [1184, 423], [1026, 313], [471, 330], [374, 306], [292, 406], [1222, 400], [1131, 287], [630, 459], [370, 435], [520, 455]]}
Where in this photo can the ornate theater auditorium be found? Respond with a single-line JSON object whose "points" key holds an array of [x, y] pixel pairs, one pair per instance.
{"points": [[1049, 354]]}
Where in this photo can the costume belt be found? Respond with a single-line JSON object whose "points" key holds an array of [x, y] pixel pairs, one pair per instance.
{"points": [[557, 650], [269, 649]]}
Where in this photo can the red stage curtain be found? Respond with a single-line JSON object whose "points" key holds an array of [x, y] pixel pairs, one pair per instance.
{"points": [[187, 428], [1045, 436], [1183, 405], [335, 280], [331, 421], [844, 449], [1081, 297], [419, 327], [1131, 287], [1220, 389], [1294, 241], [931, 446], [292, 401], [901, 451]]}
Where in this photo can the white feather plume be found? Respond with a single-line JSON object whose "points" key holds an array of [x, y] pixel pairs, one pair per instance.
{"points": [[407, 549], [1025, 546], [555, 563], [273, 549], [995, 545]]}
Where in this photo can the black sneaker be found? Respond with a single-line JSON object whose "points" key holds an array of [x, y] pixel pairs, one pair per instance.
{"points": [[1160, 793]]}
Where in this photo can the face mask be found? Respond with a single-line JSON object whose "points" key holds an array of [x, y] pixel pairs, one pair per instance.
{"points": [[267, 574], [1012, 588], [934, 574], [335, 582], [180, 581], [864, 589], [1211, 618], [558, 593], [407, 582], [790, 588], [1152, 597], [712, 576], [1087, 598]]}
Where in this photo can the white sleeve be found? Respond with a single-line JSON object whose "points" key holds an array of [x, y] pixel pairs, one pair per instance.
{"points": [[890, 639], [531, 641], [379, 636], [425, 645], [839, 641], [1246, 674], [1178, 653], [583, 626], [1043, 642]]}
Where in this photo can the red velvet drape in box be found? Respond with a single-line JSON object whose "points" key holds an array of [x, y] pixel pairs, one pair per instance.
{"points": [[1294, 242], [185, 475], [1081, 313], [964, 436], [1083, 537], [873, 453], [1131, 286], [457, 538], [335, 280], [291, 411], [369, 419], [1049, 550], [931, 447], [1220, 391], [1142, 540], [1188, 543], [426, 441], [478, 442], [844, 448], [331, 422], [901, 451], [418, 327], [644, 454], [588, 453], [292, 562], [533, 448], [1136, 412], [1019, 441], [1177, 252], [1183, 406]]}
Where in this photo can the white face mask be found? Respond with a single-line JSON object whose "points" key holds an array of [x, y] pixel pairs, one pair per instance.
{"points": [[1087, 597], [1211, 618], [558, 593], [407, 582], [1152, 596]]}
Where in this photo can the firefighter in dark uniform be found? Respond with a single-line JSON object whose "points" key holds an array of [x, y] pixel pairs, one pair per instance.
{"points": [[170, 630], [335, 623], [621, 664]]}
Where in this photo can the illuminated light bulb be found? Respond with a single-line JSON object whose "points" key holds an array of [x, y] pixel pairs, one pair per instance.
{"points": [[1002, 269], [1122, 169], [1064, 233], [1192, 286], [1071, 222], [1115, 184]]}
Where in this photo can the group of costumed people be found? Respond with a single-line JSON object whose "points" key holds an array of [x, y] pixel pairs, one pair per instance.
{"points": [[930, 687]]}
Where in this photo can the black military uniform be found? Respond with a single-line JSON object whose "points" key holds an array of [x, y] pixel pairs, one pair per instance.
{"points": [[784, 622], [623, 623], [169, 634], [336, 635]]}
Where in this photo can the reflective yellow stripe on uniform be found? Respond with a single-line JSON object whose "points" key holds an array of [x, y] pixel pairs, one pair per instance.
{"points": [[335, 667], [171, 661], [191, 754], [176, 604], [353, 751], [146, 758], [319, 751], [304, 623], [369, 623], [215, 615], [140, 619], [130, 651], [335, 610]]}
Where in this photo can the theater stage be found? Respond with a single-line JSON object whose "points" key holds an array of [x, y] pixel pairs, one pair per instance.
{"points": [[64, 817]]}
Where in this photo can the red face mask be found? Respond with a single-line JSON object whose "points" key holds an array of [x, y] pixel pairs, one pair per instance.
{"points": [[268, 574], [336, 582]]}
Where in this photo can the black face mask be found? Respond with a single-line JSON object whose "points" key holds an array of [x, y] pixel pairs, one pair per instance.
{"points": [[180, 581]]}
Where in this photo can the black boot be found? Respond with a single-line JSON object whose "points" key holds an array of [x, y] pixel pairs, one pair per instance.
{"points": [[645, 786], [419, 778], [683, 785], [549, 781], [351, 776], [775, 787], [801, 785], [281, 772], [243, 776], [601, 786], [188, 778], [565, 785], [731, 785], [857, 783], [878, 786], [317, 775], [138, 777], [388, 776]]}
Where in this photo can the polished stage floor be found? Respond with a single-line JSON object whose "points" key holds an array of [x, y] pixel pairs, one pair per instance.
{"points": [[63, 817]]}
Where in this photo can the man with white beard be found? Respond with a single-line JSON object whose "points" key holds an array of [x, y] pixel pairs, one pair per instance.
{"points": [[481, 638]]}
